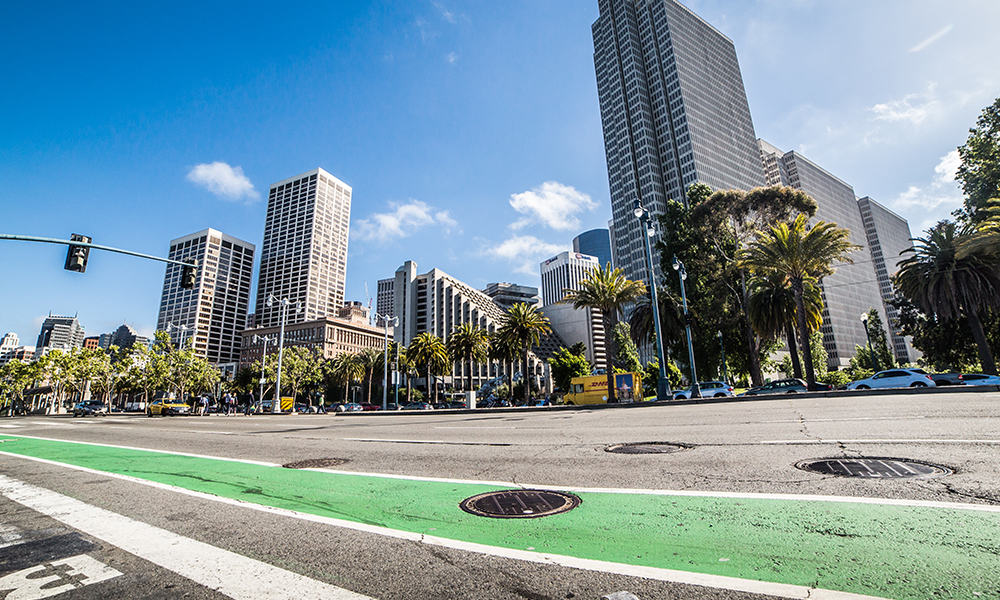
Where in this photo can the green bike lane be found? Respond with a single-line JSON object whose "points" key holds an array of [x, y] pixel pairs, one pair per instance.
{"points": [[889, 551]]}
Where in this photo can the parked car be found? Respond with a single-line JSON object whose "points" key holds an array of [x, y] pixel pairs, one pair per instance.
{"points": [[353, 407], [943, 378], [90, 408], [979, 379], [785, 386], [709, 389], [393, 406], [457, 404], [893, 378], [301, 407], [135, 406], [370, 407], [418, 406]]}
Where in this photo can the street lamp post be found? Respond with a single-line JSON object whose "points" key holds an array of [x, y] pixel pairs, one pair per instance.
{"points": [[385, 368], [183, 329], [284, 303], [646, 223], [871, 351], [258, 339], [682, 273], [725, 367]]}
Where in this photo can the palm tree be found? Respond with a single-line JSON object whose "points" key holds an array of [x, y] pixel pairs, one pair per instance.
{"points": [[799, 253], [771, 309], [504, 350], [470, 343], [346, 369], [427, 349], [951, 273], [371, 361], [523, 328], [607, 290], [407, 366]]}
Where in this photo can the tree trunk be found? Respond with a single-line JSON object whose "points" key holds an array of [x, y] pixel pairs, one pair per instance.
{"points": [[470, 373], [371, 375], [986, 360], [800, 318], [793, 350], [525, 380], [611, 347], [752, 340]]}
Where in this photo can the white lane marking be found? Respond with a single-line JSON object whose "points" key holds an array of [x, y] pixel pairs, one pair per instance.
{"points": [[879, 441], [570, 488], [77, 571], [241, 578], [9, 536], [242, 460], [130, 536], [444, 442], [52, 423], [11, 426], [835, 420]]}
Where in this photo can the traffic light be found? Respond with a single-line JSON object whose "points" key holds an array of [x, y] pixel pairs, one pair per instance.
{"points": [[76, 256], [189, 277]]}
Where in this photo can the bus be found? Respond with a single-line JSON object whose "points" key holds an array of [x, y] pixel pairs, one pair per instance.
{"points": [[593, 389]]}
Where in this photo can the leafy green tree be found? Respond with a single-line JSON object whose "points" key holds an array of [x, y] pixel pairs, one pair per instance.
{"points": [[15, 377], [373, 361], [145, 368], [504, 350], [579, 349], [56, 368], [818, 353], [651, 374], [627, 358], [800, 253], [471, 344], [979, 170], [944, 347], [947, 275], [880, 342], [565, 365], [837, 379], [523, 329], [430, 351], [609, 291]]}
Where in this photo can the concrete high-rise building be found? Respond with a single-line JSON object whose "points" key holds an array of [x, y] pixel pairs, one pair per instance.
{"points": [[888, 236], [596, 242], [509, 294], [9, 342], [383, 298], [62, 333], [304, 256], [123, 337], [214, 312], [852, 289], [674, 112], [562, 272], [437, 303]]}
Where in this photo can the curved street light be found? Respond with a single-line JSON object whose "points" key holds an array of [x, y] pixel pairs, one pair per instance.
{"points": [[682, 273], [284, 303]]}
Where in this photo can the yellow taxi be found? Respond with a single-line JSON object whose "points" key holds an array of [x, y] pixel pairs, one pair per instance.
{"points": [[167, 406]]}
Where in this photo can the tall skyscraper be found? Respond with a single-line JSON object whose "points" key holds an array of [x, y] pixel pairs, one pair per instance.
{"points": [[63, 333], [674, 112], [852, 290], [304, 257], [596, 242], [215, 310], [888, 236], [562, 272]]}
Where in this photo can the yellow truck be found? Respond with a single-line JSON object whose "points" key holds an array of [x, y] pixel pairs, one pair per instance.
{"points": [[593, 389]]}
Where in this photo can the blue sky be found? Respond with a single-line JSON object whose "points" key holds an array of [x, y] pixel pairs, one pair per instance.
{"points": [[470, 131]]}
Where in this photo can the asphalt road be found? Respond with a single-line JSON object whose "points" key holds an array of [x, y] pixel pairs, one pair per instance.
{"points": [[740, 448]]}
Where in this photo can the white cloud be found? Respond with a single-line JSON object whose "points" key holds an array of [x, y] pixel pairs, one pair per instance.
{"points": [[223, 180], [933, 38], [551, 204], [525, 252], [451, 58], [914, 108], [446, 14], [941, 193], [402, 221]]}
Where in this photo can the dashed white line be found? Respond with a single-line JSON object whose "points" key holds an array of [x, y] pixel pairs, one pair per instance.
{"points": [[242, 577], [878, 441]]}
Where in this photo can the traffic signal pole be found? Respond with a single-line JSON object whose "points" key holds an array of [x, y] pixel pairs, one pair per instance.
{"points": [[189, 268]]}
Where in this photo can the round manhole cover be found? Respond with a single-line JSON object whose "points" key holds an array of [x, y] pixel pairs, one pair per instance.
{"points": [[519, 504], [873, 468], [315, 463], [646, 448]]}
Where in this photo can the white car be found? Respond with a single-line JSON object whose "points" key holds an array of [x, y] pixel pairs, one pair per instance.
{"points": [[709, 389], [979, 379], [893, 378]]}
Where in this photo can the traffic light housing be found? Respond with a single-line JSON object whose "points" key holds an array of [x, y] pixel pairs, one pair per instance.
{"points": [[189, 277], [76, 256]]}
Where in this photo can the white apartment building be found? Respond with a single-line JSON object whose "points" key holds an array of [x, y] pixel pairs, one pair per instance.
{"points": [[562, 272], [210, 316], [304, 256]]}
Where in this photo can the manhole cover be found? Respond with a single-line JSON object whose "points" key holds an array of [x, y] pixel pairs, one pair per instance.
{"points": [[315, 463], [519, 504], [646, 448], [873, 468]]}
